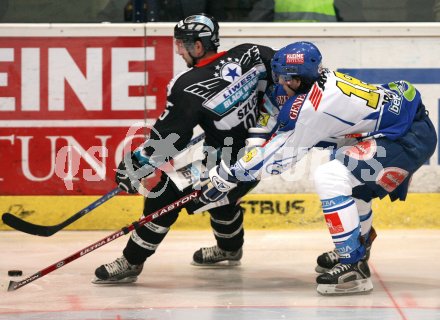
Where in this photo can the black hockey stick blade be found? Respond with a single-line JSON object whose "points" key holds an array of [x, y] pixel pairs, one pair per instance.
{"points": [[27, 227], [46, 231]]}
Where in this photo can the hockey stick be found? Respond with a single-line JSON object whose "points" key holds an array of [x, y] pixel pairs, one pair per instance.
{"points": [[14, 285], [47, 231]]}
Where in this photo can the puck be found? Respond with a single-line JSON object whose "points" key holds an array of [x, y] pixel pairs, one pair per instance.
{"points": [[15, 273]]}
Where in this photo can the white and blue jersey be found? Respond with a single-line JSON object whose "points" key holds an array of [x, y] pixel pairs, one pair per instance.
{"points": [[338, 110]]}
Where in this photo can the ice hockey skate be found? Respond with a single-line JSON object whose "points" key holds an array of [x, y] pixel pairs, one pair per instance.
{"points": [[345, 279], [214, 256], [329, 259], [118, 271]]}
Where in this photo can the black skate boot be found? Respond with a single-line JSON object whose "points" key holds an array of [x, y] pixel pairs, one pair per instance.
{"points": [[328, 260], [214, 256], [345, 279], [118, 271]]}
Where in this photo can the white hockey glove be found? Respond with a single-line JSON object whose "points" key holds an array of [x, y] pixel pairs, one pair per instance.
{"points": [[218, 184]]}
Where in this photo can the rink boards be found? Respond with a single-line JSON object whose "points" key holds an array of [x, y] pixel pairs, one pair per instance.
{"points": [[73, 97], [262, 211], [132, 64]]}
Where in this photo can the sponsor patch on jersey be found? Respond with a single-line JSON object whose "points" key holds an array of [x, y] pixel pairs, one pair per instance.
{"points": [[296, 106], [364, 150], [334, 223], [315, 96], [390, 178], [295, 58], [221, 102], [282, 99], [263, 119], [249, 156]]}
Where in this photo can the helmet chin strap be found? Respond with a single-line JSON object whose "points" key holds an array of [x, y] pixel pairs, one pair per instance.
{"points": [[195, 60], [288, 86]]}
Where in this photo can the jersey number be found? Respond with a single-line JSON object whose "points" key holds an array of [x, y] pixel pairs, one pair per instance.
{"points": [[352, 86]]}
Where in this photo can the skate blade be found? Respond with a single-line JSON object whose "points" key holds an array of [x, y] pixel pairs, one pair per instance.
{"points": [[125, 280], [363, 286], [221, 264]]}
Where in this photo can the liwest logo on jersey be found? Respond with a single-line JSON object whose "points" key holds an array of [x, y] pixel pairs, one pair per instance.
{"points": [[236, 92]]}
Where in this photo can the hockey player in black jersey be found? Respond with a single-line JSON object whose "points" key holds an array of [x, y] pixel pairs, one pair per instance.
{"points": [[221, 92]]}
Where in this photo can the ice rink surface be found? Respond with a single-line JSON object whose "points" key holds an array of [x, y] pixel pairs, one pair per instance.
{"points": [[276, 279]]}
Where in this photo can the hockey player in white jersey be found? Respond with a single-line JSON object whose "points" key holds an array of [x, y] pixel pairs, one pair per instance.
{"points": [[382, 134]]}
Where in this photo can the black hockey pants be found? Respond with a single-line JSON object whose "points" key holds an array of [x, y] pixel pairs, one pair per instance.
{"points": [[226, 221]]}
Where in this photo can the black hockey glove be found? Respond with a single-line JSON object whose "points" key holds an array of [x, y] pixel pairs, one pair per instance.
{"points": [[216, 184], [130, 173]]}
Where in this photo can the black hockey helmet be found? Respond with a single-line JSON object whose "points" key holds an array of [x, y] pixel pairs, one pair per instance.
{"points": [[200, 27]]}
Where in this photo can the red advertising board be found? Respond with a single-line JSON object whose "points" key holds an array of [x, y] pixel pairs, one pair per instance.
{"points": [[67, 105]]}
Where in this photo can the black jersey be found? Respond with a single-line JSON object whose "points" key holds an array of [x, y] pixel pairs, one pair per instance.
{"points": [[220, 94]]}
